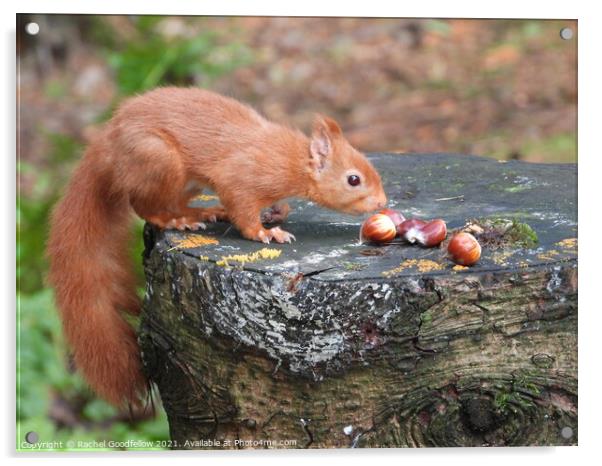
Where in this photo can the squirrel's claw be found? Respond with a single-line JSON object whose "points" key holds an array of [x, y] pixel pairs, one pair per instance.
{"points": [[184, 223], [263, 237], [198, 226], [277, 234], [281, 236]]}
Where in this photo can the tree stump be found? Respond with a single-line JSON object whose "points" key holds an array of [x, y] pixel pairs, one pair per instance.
{"points": [[331, 343]]}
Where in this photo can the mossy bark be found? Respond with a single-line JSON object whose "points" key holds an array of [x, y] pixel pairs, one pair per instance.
{"points": [[255, 357]]}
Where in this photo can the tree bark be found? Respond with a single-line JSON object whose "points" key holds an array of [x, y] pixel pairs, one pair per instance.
{"points": [[335, 344]]}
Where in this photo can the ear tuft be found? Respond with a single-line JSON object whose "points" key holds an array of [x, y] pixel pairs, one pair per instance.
{"points": [[327, 124], [333, 126]]}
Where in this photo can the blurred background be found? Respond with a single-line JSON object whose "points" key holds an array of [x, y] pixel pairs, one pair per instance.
{"points": [[500, 88]]}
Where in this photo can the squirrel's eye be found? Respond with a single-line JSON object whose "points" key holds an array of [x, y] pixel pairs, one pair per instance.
{"points": [[353, 180]]}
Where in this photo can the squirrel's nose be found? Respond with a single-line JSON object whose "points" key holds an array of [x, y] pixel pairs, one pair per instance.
{"points": [[382, 201]]}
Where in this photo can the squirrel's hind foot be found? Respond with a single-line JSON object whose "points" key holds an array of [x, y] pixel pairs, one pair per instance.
{"points": [[185, 223], [212, 214]]}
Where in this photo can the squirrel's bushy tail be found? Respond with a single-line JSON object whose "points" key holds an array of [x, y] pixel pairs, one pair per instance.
{"points": [[94, 283]]}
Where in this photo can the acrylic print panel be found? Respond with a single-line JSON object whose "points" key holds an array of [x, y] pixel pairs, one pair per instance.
{"points": [[326, 341]]}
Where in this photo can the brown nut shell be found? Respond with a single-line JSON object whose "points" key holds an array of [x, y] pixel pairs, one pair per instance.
{"points": [[406, 226], [378, 228], [432, 234], [464, 249], [394, 215]]}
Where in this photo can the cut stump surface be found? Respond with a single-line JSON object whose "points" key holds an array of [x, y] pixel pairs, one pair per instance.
{"points": [[332, 343]]}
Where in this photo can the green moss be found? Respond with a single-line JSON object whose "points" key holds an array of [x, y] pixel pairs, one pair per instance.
{"points": [[524, 383], [426, 317], [353, 266], [522, 234], [501, 400], [507, 402], [509, 231]]}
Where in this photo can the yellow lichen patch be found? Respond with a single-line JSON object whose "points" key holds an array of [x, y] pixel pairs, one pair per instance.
{"points": [[205, 197], [459, 267], [265, 253], [423, 265], [568, 243], [548, 255], [193, 241]]}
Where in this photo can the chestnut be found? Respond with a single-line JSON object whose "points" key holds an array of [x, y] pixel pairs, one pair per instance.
{"points": [[408, 225], [394, 215], [427, 234], [433, 233], [464, 249], [378, 228]]}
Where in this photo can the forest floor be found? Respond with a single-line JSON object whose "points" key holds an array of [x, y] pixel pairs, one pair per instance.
{"points": [[505, 89]]}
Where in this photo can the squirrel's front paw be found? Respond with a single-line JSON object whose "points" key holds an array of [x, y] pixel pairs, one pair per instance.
{"points": [[277, 234], [275, 214]]}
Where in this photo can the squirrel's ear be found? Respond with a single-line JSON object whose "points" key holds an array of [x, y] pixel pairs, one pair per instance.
{"points": [[320, 148], [322, 122]]}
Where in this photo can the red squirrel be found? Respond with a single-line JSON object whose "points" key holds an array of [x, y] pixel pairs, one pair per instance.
{"points": [[158, 151]]}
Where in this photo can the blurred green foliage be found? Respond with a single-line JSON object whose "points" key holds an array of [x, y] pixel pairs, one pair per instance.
{"points": [[34, 208], [150, 59], [45, 383], [146, 64], [556, 147], [48, 389]]}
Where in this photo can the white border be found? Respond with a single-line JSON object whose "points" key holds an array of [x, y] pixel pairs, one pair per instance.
{"points": [[589, 36], [381, 8]]}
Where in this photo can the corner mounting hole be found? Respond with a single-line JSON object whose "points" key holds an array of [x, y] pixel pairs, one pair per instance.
{"points": [[32, 437], [32, 28], [566, 432], [566, 33]]}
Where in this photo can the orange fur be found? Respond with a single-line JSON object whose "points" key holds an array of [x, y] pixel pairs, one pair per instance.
{"points": [[158, 151]]}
